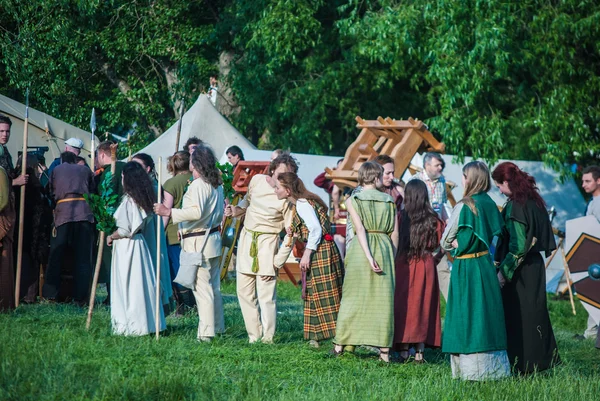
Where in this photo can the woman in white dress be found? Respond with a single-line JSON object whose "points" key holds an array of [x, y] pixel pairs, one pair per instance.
{"points": [[133, 273]]}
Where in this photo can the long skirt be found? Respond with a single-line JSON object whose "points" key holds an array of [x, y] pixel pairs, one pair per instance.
{"points": [[491, 365], [417, 303], [531, 342], [323, 292]]}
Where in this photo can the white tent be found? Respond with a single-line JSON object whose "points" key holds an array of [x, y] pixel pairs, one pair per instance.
{"points": [[59, 131], [203, 121], [564, 197]]}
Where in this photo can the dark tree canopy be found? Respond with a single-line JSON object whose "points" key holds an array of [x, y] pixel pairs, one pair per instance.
{"points": [[492, 79]]}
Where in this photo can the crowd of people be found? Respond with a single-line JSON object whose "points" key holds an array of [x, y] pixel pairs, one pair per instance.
{"points": [[380, 287]]}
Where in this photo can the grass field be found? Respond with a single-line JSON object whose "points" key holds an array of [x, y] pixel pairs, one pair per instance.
{"points": [[46, 354]]}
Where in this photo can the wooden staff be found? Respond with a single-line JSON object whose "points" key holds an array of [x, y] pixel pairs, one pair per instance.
{"points": [[568, 273], [129, 146], [181, 109], [113, 166], [93, 142], [158, 243], [560, 241], [22, 203]]}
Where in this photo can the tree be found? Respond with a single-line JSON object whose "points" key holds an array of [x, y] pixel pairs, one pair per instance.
{"points": [[492, 79], [132, 60]]}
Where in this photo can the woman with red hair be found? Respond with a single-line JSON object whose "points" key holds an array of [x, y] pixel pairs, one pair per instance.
{"points": [[522, 276]]}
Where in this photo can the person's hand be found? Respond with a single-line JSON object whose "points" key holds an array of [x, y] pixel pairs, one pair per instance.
{"points": [[289, 232], [109, 240], [501, 280], [228, 211], [305, 261], [21, 180], [455, 244], [161, 209], [267, 278], [375, 266]]}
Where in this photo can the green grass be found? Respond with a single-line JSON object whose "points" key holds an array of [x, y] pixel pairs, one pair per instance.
{"points": [[46, 354]]}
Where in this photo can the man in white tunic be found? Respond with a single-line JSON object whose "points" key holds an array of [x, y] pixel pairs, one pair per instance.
{"points": [[199, 219], [259, 255]]}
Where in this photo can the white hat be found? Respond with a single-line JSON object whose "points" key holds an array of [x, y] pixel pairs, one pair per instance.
{"points": [[74, 143]]}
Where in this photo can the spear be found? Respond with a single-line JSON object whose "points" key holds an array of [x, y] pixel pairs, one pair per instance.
{"points": [[159, 229], [22, 202], [181, 109], [93, 142]]}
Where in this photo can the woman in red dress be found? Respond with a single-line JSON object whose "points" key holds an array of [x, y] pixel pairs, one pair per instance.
{"points": [[417, 295]]}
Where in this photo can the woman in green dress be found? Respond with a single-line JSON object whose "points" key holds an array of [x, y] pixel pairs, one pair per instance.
{"points": [[522, 275], [366, 315], [474, 331]]}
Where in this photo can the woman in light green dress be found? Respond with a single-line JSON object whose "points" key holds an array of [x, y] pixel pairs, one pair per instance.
{"points": [[366, 315]]}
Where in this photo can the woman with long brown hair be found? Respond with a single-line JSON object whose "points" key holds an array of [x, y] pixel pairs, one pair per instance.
{"points": [[321, 262], [199, 217], [474, 331], [531, 342], [417, 294], [133, 272]]}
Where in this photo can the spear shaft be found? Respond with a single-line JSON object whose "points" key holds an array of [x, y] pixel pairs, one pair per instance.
{"points": [[22, 203]]}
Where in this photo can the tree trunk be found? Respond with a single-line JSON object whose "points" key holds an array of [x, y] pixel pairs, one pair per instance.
{"points": [[226, 103]]}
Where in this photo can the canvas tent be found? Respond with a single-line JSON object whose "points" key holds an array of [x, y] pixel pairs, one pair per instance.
{"points": [[564, 197], [59, 131], [202, 120]]}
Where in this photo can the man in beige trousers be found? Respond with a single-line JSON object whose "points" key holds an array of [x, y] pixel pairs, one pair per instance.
{"points": [[199, 219], [259, 255]]}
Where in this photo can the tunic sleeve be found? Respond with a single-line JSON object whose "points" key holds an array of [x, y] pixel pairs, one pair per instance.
{"points": [[451, 231], [123, 219], [516, 248], [129, 218], [4, 189], [196, 195], [308, 215]]}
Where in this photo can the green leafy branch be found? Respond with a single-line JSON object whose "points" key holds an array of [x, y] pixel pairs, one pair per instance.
{"points": [[104, 205], [227, 176]]}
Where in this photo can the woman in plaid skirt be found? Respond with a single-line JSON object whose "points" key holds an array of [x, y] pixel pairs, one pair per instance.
{"points": [[321, 264]]}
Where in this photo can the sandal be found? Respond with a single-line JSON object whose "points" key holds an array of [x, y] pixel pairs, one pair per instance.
{"points": [[384, 356], [336, 353], [421, 360]]}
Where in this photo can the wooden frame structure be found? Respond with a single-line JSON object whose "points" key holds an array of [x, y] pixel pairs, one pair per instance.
{"points": [[400, 139]]}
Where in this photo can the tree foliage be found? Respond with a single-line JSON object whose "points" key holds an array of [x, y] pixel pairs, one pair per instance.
{"points": [[492, 79]]}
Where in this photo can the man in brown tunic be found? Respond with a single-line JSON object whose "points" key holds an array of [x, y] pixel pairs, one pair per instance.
{"points": [[73, 228]]}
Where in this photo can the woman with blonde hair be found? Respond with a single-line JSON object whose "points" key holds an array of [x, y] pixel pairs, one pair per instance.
{"points": [[321, 263], [474, 330], [366, 315]]}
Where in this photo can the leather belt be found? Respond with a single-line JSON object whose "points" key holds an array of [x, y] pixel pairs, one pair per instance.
{"points": [[200, 233], [472, 255], [70, 200]]}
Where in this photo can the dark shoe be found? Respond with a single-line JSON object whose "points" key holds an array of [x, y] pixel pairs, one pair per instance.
{"points": [[578, 337]]}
